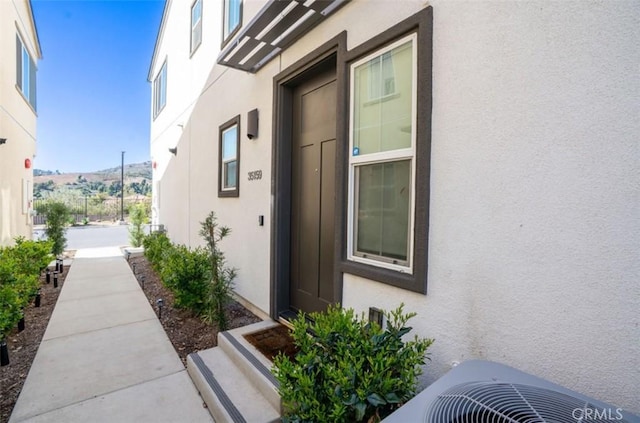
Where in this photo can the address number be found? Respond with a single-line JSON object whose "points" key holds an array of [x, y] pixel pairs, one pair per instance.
{"points": [[255, 175]]}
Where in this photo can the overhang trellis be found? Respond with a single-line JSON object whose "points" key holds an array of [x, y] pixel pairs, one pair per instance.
{"points": [[278, 25]]}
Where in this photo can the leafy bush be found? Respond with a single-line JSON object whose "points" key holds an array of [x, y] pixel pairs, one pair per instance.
{"points": [[138, 216], [348, 369], [221, 276], [58, 216], [33, 256], [156, 245], [20, 267], [187, 274], [10, 302]]}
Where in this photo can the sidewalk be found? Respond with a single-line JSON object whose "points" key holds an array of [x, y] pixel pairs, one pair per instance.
{"points": [[105, 356]]}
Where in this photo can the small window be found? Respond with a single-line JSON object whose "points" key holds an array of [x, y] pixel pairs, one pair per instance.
{"points": [[382, 159], [232, 18], [25, 73], [229, 159], [196, 25], [160, 90]]}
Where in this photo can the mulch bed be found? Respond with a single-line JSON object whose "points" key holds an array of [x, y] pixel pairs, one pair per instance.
{"points": [[24, 345], [272, 341], [188, 333]]}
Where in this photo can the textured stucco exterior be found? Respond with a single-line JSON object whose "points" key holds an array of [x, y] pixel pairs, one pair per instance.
{"points": [[534, 216], [17, 123]]}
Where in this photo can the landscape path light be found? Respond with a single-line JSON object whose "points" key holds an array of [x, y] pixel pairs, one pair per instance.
{"points": [[160, 303]]}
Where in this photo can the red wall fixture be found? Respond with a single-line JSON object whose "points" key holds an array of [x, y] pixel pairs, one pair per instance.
{"points": [[27, 163], [154, 164]]}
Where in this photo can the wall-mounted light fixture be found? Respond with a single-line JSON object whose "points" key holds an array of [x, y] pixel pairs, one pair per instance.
{"points": [[174, 151], [252, 124], [27, 163], [3, 141]]}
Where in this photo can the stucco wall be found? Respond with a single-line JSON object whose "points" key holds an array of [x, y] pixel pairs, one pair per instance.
{"points": [[535, 205], [17, 124]]}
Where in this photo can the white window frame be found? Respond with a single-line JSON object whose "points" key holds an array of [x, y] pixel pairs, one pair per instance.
{"points": [[224, 161], [27, 68], [160, 90], [222, 131], [383, 157], [194, 25]]}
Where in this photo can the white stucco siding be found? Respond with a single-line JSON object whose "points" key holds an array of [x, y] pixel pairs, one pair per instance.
{"points": [[248, 246], [17, 124], [535, 204]]}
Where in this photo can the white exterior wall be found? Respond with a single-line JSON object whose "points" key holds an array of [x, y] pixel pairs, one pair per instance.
{"points": [[186, 78], [17, 124], [535, 206]]}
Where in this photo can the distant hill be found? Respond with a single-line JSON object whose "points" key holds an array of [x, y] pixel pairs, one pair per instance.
{"points": [[137, 181]]}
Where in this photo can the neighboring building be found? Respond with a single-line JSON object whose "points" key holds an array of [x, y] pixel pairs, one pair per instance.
{"points": [[19, 53], [478, 161]]}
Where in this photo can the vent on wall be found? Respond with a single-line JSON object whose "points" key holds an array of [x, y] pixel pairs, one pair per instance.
{"points": [[481, 391]]}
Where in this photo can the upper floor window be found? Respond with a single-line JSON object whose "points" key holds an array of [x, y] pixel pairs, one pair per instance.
{"points": [[160, 90], [25, 72], [196, 25], [382, 162], [229, 159], [232, 18]]}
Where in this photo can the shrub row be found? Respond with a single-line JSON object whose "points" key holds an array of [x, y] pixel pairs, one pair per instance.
{"points": [[199, 278], [20, 268]]}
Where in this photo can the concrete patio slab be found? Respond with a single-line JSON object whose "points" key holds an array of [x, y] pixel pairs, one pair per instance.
{"points": [[99, 252], [99, 312], [98, 277], [75, 368], [171, 398]]}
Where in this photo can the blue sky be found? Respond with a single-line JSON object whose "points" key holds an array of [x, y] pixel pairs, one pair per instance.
{"points": [[93, 94]]}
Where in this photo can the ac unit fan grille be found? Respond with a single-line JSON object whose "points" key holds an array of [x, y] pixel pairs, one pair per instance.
{"points": [[495, 402]]}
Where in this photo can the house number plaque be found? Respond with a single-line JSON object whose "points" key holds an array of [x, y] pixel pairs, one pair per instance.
{"points": [[255, 175]]}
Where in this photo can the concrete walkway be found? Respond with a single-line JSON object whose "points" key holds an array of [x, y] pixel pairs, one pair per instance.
{"points": [[105, 356]]}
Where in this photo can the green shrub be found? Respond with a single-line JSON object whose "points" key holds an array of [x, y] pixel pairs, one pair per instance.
{"points": [[10, 302], [187, 274], [347, 369], [58, 216], [33, 256], [20, 267], [156, 245], [222, 276], [138, 216]]}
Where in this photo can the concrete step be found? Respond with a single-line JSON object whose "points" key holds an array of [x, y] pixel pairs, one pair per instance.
{"points": [[253, 364], [234, 379]]}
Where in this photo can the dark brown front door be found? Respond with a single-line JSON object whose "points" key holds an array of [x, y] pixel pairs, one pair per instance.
{"points": [[313, 193]]}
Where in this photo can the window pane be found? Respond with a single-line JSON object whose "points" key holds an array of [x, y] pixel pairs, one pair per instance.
{"points": [[231, 16], [383, 204], [196, 12], [25, 72], [229, 143], [163, 86], [230, 170], [234, 15], [383, 101]]}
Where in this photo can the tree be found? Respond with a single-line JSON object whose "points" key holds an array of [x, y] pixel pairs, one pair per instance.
{"points": [[138, 215], [221, 276], [55, 226], [114, 188]]}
